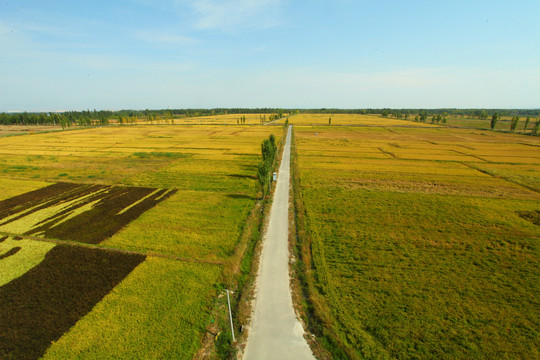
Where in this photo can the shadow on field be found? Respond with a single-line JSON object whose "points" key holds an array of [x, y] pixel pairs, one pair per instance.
{"points": [[240, 196], [240, 176], [79, 212], [38, 307]]}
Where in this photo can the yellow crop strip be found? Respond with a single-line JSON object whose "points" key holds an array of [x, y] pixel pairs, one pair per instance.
{"points": [[31, 253], [11, 187]]}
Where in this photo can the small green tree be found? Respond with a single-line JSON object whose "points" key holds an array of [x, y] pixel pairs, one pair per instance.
{"points": [[494, 119], [536, 127], [263, 176], [329, 121], [527, 120], [513, 123]]}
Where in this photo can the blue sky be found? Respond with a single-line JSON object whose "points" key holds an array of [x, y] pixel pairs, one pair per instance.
{"points": [[138, 54]]}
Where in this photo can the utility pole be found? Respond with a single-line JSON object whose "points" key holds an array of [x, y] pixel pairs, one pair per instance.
{"points": [[230, 316]]}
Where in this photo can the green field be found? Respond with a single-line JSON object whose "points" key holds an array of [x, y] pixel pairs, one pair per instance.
{"points": [[420, 242], [168, 201]]}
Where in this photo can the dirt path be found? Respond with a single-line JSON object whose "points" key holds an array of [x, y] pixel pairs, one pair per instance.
{"points": [[275, 332]]}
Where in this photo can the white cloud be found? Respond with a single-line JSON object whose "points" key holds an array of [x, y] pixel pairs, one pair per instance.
{"points": [[234, 14]]}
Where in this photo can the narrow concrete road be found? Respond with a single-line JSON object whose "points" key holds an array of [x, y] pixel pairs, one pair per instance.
{"points": [[275, 332]]}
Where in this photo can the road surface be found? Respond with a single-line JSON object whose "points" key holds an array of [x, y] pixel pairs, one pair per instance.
{"points": [[275, 332]]}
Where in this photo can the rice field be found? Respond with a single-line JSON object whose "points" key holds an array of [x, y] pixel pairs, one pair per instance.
{"points": [[350, 119], [114, 240], [503, 124], [227, 119], [423, 241]]}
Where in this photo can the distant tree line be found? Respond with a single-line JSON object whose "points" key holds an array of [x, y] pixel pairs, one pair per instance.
{"points": [[403, 113], [103, 117], [64, 119]]}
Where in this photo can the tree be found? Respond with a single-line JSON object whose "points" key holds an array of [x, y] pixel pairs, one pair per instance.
{"points": [[482, 114], [268, 152], [329, 121], [536, 127], [513, 123], [526, 123], [494, 119], [262, 175]]}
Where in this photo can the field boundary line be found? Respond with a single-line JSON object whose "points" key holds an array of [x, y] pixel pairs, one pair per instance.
{"points": [[533, 145], [112, 249], [500, 177], [474, 156], [387, 153]]}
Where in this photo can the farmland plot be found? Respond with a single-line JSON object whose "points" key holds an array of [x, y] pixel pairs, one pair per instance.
{"points": [[41, 304], [350, 119], [227, 119], [423, 240], [113, 240], [85, 213]]}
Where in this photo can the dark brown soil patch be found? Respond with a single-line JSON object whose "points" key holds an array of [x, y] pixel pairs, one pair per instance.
{"points": [[93, 226], [3, 238], [10, 252], [38, 307]]}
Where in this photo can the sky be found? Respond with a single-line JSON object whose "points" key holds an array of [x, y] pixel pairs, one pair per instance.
{"points": [[142, 54]]}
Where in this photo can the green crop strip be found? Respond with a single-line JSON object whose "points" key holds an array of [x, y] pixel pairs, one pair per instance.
{"points": [[417, 254]]}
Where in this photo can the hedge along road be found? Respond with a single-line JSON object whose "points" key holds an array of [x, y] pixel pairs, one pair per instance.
{"points": [[275, 331]]}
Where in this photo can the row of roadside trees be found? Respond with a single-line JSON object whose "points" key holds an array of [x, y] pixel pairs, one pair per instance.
{"points": [[264, 170]]}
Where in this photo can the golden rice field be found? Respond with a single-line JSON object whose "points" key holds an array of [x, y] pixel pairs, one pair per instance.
{"points": [[503, 124], [173, 252], [227, 119], [423, 240], [350, 119]]}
